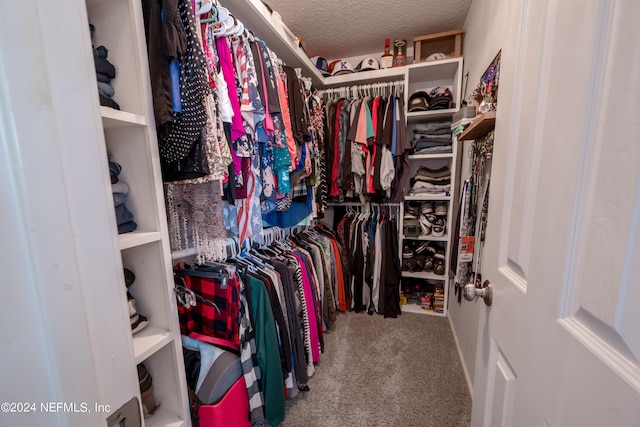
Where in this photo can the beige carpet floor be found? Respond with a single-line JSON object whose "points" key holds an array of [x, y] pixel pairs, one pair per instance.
{"points": [[385, 372]]}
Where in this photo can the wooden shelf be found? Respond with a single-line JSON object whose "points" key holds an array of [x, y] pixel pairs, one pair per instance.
{"points": [[480, 127]]}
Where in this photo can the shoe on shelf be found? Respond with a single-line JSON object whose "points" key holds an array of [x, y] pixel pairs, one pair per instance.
{"points": [[149, 406], [138, 321], [438, 264], [411, 210], [409, 264], [438, 227], [407, 252], [430, 219], [430, 253], [131, 304], [425, 226], [419, 262], [441, 209], [139, 324], [426, 208], [129, 277], [422, 248]]}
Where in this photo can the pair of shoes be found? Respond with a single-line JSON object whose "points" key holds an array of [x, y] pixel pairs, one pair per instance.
{"points": [[137, 320], [149, 406], [430, 252], [440, 208]]}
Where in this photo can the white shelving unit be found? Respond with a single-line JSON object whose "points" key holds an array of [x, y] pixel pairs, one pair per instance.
{"points": [[424, 77], [130, 139]]}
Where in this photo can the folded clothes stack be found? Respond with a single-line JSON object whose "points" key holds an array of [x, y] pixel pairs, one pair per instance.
{"points": [[432, 138], [105, 72], [431, 181], [120, 190]]}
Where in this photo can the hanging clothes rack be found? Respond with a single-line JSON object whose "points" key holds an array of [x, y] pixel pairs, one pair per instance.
{"points": [[373, 89]]}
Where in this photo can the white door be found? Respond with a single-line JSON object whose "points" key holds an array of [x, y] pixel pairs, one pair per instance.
{"points": [[560, 346]]}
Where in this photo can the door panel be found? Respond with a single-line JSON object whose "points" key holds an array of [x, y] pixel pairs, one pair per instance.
{"points": [[562, 248], [504, 390]]}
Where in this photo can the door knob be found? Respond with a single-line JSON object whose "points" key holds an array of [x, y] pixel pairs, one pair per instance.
{"points": [[486, 292]]}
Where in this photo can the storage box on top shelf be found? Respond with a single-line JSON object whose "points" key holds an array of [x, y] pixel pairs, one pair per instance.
{"points": [[438, 46]]}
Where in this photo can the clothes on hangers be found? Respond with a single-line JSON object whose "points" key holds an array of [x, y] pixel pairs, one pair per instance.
{"points": [[358, 147], [275, 302], [370, 240], [244, 120]]}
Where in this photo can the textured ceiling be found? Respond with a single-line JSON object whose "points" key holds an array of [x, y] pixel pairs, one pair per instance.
{"points": [[347, 28]]}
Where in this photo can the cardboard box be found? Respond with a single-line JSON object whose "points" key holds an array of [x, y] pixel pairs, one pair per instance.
{"points": [[449, 43]]}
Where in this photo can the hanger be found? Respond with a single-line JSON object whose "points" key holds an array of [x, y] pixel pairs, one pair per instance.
{"points": [[203, 6], [187, 297], [218, 28]]}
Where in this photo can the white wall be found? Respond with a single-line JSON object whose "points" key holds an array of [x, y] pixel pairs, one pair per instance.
{"points": [[485, 28], [55, 250]]}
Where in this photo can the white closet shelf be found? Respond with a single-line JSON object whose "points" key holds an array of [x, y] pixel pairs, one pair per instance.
{"points": [[424, 275], [421, 116], [430, 156], [137, 238], [427, 197], [257, 18], [443, 69], [118, 119], [149, 340], [415, 308], [164, 418], [366, 77], [428, 238]]}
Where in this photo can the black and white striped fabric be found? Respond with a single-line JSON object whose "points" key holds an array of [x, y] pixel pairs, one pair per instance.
{"points": [[306, 332]]}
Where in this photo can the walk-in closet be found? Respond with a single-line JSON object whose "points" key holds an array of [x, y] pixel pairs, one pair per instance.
{"points": [[295, 213]]}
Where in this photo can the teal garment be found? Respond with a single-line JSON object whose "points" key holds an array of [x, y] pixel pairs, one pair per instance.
{"points": [[370, 132], [272, 381]]}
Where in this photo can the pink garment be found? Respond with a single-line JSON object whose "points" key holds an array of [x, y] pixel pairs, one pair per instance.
{"points": [[226, 64], [361, 130], [313, 321], [244, 208], [286, 119]]}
